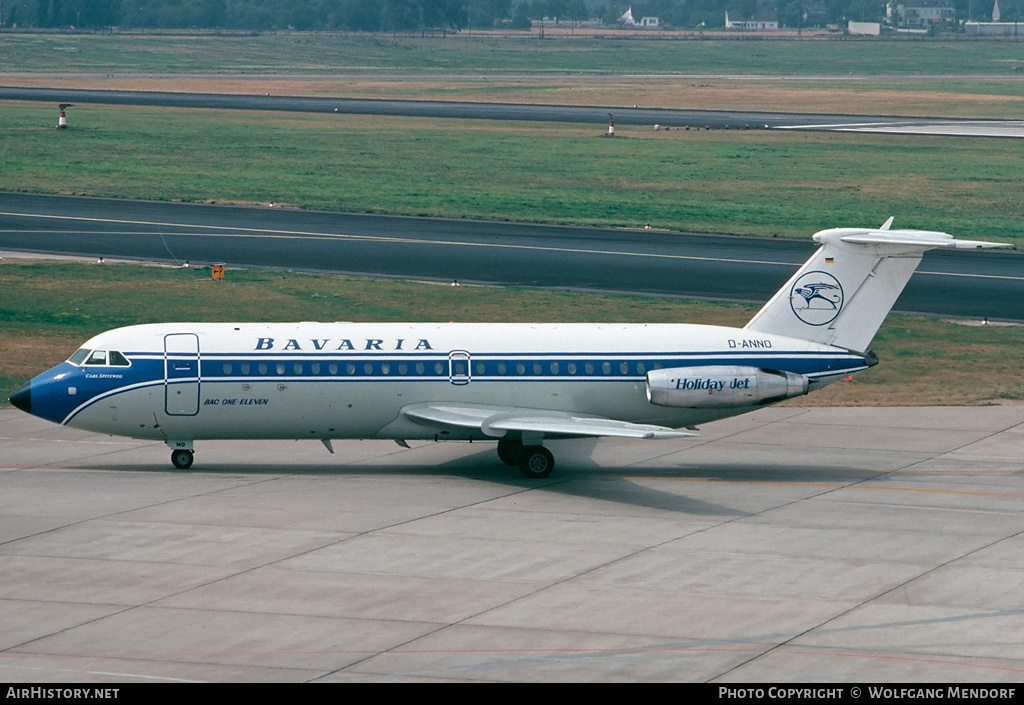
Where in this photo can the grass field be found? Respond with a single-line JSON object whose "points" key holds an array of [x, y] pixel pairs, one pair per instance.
{"points": [[50, 308], [746, 182], [961, 78], [487, 53]]}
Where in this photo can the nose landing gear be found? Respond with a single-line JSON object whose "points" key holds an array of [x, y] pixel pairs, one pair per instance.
{"points": [[182, 459]]}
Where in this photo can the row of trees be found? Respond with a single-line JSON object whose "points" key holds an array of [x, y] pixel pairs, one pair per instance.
{"points": [[414, 15]]}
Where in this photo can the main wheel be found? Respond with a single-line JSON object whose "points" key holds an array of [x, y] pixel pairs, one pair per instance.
{"points": [[182, 459], [510, 451], [536, 462]]}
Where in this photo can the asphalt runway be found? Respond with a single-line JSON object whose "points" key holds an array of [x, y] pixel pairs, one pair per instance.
{"points": [[597, 115], [980, 284], [791, 545]]}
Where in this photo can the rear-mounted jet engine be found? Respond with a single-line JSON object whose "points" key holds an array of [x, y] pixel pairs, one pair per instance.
{"points": [[720, 386]]}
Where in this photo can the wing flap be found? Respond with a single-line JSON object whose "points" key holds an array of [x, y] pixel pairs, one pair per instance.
{"points": [[496, 421]]}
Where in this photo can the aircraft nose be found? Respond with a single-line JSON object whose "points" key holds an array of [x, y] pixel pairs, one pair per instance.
{"points": [[22, 397]]}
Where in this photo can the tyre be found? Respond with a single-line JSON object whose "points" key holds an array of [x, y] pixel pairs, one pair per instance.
{"points": [[182, 459], [510, 452], [536, 462]]}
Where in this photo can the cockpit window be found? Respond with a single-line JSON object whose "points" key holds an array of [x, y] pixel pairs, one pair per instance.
{"points": [[79, 357], [117, 359], [111, 358], [100, 357]]}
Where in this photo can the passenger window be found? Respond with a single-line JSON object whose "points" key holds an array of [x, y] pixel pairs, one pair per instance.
{"points": [[227, 368], [245, 368]]}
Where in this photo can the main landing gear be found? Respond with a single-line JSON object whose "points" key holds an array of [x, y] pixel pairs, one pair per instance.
{"points": [[535, 462], [182, 459]]}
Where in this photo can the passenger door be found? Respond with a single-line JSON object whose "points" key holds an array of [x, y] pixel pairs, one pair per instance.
{"points": [[181, 374], [458, 367]]}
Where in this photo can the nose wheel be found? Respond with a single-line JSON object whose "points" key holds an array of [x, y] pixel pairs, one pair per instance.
{"points": [[182, 459]]}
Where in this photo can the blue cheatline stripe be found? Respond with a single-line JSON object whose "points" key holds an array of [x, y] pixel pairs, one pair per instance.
{"points": [[527, 354], [148, 367], [266, 379], [535, 365], [562, 367]]}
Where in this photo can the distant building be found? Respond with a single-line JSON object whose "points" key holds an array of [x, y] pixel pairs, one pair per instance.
{"points": [[993, 29], [871, 29], [762, 19], [920, 14], [627, 20]]}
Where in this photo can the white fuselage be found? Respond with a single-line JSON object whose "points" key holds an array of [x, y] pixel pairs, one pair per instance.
{"points": [[352, 380]]}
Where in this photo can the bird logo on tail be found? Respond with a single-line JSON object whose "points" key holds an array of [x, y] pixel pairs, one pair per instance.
{"points": [[816, 298]]}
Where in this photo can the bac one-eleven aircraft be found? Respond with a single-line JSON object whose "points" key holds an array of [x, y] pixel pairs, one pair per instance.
{"points": [[518, 384]]}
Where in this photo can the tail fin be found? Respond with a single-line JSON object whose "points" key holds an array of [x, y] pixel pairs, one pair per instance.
{"points": [[845, 290]]}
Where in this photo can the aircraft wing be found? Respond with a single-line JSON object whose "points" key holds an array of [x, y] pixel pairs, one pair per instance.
{"points": [[497, 420]]}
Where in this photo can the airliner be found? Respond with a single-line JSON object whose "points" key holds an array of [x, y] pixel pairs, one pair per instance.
{"points": [[515, 383]]}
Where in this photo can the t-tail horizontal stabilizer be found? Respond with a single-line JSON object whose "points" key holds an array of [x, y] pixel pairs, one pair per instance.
{"points": [[845, 290]]}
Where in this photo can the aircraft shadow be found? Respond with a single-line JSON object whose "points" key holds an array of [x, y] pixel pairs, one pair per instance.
{"points": [[577, 476]]}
